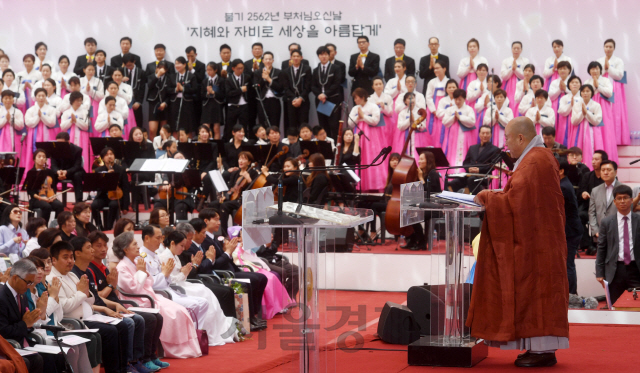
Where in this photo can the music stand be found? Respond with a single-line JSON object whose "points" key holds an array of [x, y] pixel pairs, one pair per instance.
{"points": [[220, 145], [196, 151], [99, 143], [56, 149], [8, 176], [441, 159], [317, 146]]}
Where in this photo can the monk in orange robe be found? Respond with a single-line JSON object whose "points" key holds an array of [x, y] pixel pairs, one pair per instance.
{"points": [[520, 296]]}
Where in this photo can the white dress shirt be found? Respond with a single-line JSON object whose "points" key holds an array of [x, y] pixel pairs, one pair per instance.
{"points": [[621, 235]]}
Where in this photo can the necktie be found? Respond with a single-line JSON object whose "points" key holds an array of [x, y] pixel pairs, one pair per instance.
{"points": [[19, 304], [625, 238], [324, 70]]}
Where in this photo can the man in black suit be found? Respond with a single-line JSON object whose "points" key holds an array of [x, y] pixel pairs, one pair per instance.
{"points": [[572, 227], [427, 63], [103, 71], [70, 170], [589, 181], [16, 321], [398, 49], [223, 261], [363, 66], [236, 86], [325, 85], [250, 67], [195, 66], [225, 56], [135, 77], [296, 80], [160, 52], [90, 45], [477, 154], [270, 89], [224, 294], [618, 256], [118, 61], [339, 64], [286, 63]]}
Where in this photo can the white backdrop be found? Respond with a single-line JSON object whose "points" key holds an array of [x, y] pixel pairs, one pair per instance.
{"points": [[583, 25]]}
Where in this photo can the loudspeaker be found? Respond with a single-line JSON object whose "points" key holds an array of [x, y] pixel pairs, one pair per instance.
{"points": [[341, 239], [397, 325], [428, 307]]}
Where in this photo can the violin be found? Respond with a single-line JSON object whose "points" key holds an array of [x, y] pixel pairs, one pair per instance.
{"points": [[405, 172], [114, 194], [176, 193], [304, 156], [46, 191]]}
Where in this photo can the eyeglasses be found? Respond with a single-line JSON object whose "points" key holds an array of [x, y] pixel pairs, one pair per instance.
{"points": [[16, 212], [622, 198], [29, 283]]}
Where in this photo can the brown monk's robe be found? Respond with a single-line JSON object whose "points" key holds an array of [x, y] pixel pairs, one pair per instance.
{"points": [[14, 362], [520, 288]]}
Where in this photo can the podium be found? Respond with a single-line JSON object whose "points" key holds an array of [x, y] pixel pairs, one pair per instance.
{"points": [[311, 247], [449, 343]]}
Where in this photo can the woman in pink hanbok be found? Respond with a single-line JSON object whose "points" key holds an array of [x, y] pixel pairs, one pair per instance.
{"points": [[557, 90], [178, 336], [435, 92], [366, 115], [11, 125], [564, 110], [522, 87], [395, 88], [27, 79], [614, 69], [512, 72], [62, 77], [604, 96], [40, 121], [125, 92], [420, 137], [92, 87], [275, 298], [384, 132], [550, 72], [497, 116], [443, 104], [459, 120], [586, 115], [467, 66], [76, 122]]}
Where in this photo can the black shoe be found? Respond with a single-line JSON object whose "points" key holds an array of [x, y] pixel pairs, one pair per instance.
{"points": [[537, 360], [591, 251], [256, 328], [408, 244], [525, 354], [257, 321]]}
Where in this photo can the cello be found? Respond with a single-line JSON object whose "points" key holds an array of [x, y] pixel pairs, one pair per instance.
{"points": [[405, 172]]}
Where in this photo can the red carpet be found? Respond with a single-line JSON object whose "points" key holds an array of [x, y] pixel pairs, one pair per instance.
{"points": [[594, 348]]}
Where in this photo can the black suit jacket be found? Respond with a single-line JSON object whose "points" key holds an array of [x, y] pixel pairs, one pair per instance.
{"points": [[200, 70], [137, 81], [275, 85], [389, 72], [150, 71], [361, 78], [106, 77], [81, 62], [116, 61], [205, 267], [232, 89], [303, 86], [191, 87], [222, 262], [332, 88], [70, 165], [428, 74], [475, 157], [11, 324], [285, 64], [609, 245], [160, 89], [219, 96]]}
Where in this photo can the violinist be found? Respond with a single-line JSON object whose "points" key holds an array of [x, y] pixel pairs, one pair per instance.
{"points": [[276, 145], [106, 199], [43, 195], [350, 152], [234, 147], [237, 181], [69, 170], [318, 182]]}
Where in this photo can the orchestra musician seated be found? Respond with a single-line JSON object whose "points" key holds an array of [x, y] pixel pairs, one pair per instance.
{"points": [[42, 195], [318, 182], [273, 135], [116, 200], [478, 154], [69, 170]]}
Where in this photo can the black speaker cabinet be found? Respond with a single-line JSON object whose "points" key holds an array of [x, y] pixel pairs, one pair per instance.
{"points": [[428, 307], [397, 325]]}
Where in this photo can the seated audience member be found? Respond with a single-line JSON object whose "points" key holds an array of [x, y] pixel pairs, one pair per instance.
{"points": [[15, 318], [160, 217], [601, 201], [214, 322], [178, 334], [82, 215], [76, 297], [48, 237], [67, 224], [481, 153], [122, 225], [572, 226], [107, 286], [224, 252], [12, 236], [618, 247], [35, 226]]}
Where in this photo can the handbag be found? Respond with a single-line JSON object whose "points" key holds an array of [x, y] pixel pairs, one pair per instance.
{"points": [[203, 338]]}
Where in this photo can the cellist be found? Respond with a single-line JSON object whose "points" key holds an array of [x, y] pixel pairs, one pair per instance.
{"points": [[108, 199], [237, 181]]}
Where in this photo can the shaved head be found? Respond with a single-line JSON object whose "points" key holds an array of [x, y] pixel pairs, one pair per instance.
{"points": [[518, 134]]}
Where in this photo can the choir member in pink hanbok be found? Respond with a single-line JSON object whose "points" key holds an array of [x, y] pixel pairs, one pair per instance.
{"points": [[125, 92], [11, 125], [406, 117], [275, 298], [178, 336], [395, 88], [467, 66], [512, 72], [399, 105], [76, 122], [529, 99], [484, 102], [63, 76], [26, 79], [54, 101], [46, 74], [41, 59], [522, 87], [371, 180], [558, 89], [435, 92], [74, 86], [564, 110], [92, 86], [40, 121], [541, 114], [586, 116], [121, 107], [444, 103], [497, 117], [460, 123], [614, 69], [604, 96], [10, 84], [108, 117], [550, 72]]}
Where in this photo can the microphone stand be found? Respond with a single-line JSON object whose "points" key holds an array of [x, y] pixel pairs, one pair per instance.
{"points": [[260, 99], [59, 343], [491, 163], [356, 124], [281, 219]]}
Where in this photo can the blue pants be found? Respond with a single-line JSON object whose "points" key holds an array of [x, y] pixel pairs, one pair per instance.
{"points": [[135, 326]]}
